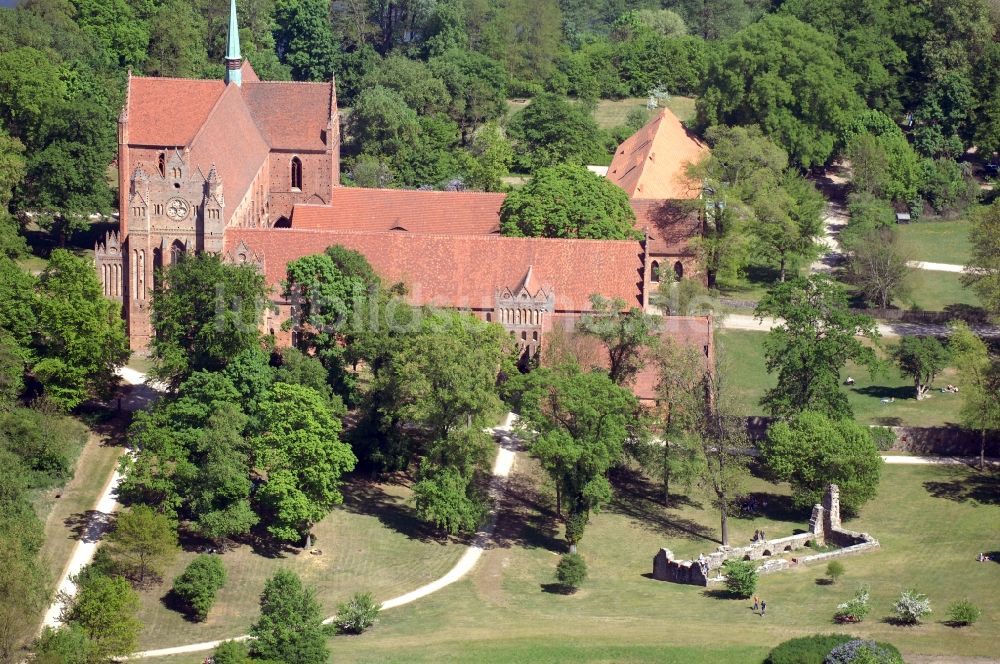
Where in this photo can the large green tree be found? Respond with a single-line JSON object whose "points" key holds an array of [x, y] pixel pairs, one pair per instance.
{"points": [[570, 202], [301, 454], [786, 77], [811, 451], [787, 220], [81, 338], [106, 608], [290, 626], [922, 359], [304, 39], [577, 424], [142, 543], [814, 335], [552, 130], [980, 379], [204, 313]]}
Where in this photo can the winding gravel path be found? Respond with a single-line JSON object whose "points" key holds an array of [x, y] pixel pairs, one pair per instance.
{"points": [[502, 466]]}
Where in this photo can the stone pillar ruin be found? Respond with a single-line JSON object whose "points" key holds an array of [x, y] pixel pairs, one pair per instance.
{"points": [[831, 507]]}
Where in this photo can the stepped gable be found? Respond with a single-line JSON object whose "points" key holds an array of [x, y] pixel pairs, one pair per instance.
{"points": [[670, 226], [653, 162], [169, 111], [359, 209], [291, 116], [466, 270], [230, 142]]}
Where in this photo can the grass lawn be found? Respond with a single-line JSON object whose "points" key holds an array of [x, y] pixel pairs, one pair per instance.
{"points": [[33, 264], [929, 520], [142, 363], [743, 355], [611, 113], [937, 241], [372, 543], [934, 291]]}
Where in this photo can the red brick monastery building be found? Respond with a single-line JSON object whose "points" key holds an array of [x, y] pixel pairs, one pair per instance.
{"points": [[250, 169]]}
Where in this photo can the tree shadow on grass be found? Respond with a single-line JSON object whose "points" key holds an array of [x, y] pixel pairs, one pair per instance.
{"points": [[526, 518], [720, 593], [632, 500], [369, 499], [173, 602], [900, 393], [975, 485], [90, 525], [771, 506], [557, 589]]}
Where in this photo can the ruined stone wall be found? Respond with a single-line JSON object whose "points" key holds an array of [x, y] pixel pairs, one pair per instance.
{"points": [[824, 528]]}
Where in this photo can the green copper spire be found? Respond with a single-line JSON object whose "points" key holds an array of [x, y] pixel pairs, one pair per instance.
{"points": [[233, 58]]}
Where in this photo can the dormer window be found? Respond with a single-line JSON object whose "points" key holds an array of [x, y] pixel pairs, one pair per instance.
{"points": [[296, 174]]}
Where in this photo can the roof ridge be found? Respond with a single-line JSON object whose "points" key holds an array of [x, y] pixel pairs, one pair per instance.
{"points": [[259, 82], [422, 191], [178, 78], [492, 237]]}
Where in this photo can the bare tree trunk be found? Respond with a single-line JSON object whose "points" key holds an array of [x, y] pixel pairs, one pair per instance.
{"points": [[725, 522], [982, 449], [921, 389], [666, 472], [558, 501], [782, 269]]}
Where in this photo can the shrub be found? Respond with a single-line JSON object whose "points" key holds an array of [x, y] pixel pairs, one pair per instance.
{"points": [[854, 609], [198, 584], [231, 652], [884, 437], [858, 651], [806, 649], [357, 614], [571, 571], [963, 612], [911, 607], [835, 570], [741, 577]]}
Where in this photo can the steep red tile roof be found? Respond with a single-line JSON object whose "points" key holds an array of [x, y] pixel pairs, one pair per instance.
{"points": [[465, 270], [169, 111], [653, 162], [230, 140], [671, 225], [292, 116], [353, 208]]}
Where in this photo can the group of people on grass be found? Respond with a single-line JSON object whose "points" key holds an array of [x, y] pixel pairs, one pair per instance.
{"points": [[759, 606]]}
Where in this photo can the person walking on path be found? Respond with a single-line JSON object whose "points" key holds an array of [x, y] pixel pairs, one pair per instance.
{"points": [[756, 603], [763, 608]]}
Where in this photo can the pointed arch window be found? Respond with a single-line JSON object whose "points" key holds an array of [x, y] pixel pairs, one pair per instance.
{"points": [[296, 173], [654, 272], [679, 270], [161, 164]]}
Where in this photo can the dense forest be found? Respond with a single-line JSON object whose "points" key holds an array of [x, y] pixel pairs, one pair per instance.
{"points": [[422, 78]]}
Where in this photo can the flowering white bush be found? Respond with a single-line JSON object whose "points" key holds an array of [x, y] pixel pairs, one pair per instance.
{"points": [[854, 609], [911, 607]]}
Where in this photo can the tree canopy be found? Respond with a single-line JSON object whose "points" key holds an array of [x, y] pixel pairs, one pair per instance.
{"points": [[810, 451], [814, 337], [785, 76], [569, 202]]}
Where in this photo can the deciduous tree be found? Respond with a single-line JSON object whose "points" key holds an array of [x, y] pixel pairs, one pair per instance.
{"points": [[980, 380], [920, 358], [106, 607], [983, 269], [142, 543], [552, 131], [577, 425], [878, 266], [812, 451], [302, 455], [570, 202], [625, 333], [814, 336], [758, 77], [204, 312], [290, 627]]}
